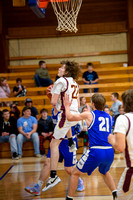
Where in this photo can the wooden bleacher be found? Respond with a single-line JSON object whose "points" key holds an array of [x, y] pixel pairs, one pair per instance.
{"points": [[112, 78]]}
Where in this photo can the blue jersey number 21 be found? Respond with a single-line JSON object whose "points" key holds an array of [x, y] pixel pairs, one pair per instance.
{"points": [[104, 125]]}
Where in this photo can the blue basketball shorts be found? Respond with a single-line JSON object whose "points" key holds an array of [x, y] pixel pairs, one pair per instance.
{"points": [[64, 154], [93, 158]]}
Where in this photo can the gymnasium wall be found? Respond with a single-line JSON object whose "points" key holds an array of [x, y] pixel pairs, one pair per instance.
{"points": [[68, 45]]}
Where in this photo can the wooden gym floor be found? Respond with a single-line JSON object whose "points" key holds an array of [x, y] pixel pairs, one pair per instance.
{"points": [[26, 171]]}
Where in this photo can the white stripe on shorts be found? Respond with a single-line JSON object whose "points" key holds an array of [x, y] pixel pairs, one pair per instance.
{"points": [[101, 147]]}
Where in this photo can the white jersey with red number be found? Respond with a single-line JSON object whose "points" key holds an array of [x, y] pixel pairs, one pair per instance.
{"points": [[123, 126], [66, 85]]}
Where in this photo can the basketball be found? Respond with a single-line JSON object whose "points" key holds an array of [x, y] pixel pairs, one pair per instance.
{"points": [[48, 91]]}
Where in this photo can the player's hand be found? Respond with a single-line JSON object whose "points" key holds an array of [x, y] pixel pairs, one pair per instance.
{"points": [[111, 139], [66, 101]]}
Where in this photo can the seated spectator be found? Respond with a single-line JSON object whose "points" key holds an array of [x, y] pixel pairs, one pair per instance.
{"points": [[19, 90], [27, 128], [14, 112], [42, 77], [121, 110], [34, 111], [85, 131], [107, 110], [8, 132], [82, 103], [45, 128], [4, 90], [90, 77], [115, 106]]}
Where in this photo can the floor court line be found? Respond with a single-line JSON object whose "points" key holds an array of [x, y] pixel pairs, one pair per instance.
{"points": [[81, 198], [6, 172]]}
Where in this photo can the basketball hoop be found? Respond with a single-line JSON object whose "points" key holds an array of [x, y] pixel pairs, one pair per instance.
{"points": [[66, 12]]}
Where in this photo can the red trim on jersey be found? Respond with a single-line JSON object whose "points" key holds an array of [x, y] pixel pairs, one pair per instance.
{"points": [[63, 94], [59, 139], [127, 157], [129, 172], [127, 181], [62, 120]]}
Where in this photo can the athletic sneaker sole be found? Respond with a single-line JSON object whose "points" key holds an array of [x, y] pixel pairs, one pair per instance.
{"points": [[31, 192], [58, 180]]}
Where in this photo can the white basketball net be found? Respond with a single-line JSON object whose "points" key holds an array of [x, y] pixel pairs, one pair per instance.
{"points": [[67, 13]]}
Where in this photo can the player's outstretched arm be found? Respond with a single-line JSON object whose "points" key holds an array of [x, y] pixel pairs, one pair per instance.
{"points": [[54, 99], [69, 115]]}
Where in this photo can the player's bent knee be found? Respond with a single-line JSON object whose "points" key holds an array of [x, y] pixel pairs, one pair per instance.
{"points": [[76, 172], [69, 170], [47, 162], [54, 143]]}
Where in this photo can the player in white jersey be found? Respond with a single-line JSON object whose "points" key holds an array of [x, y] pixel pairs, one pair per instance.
{"points": [[64, 85], [123, 141]]}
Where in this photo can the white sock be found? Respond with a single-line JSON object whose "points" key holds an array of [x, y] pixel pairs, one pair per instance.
{"points": [[114, 191], [40, 183], [69, 197]]}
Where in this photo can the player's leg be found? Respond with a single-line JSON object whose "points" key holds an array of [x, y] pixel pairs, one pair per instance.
{"points": [[44, 174], [125, 189], [54, 154], [73, 183], [108, 179], [80, 186], [60, 132], [53, 179], [107, 157], [70, 160], [87, 164], [71, 143]]}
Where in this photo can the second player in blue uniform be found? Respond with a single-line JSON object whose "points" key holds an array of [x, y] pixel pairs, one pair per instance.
{"points": [[100, 153]]}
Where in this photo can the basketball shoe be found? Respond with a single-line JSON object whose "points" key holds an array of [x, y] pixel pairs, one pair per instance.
{"points": [[35, 189], [80, 187], [51, 182], [73, 147], [114, 193]]}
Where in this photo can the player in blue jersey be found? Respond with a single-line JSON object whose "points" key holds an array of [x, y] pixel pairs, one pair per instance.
{"points": [[100, 153], [64, 154]]}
